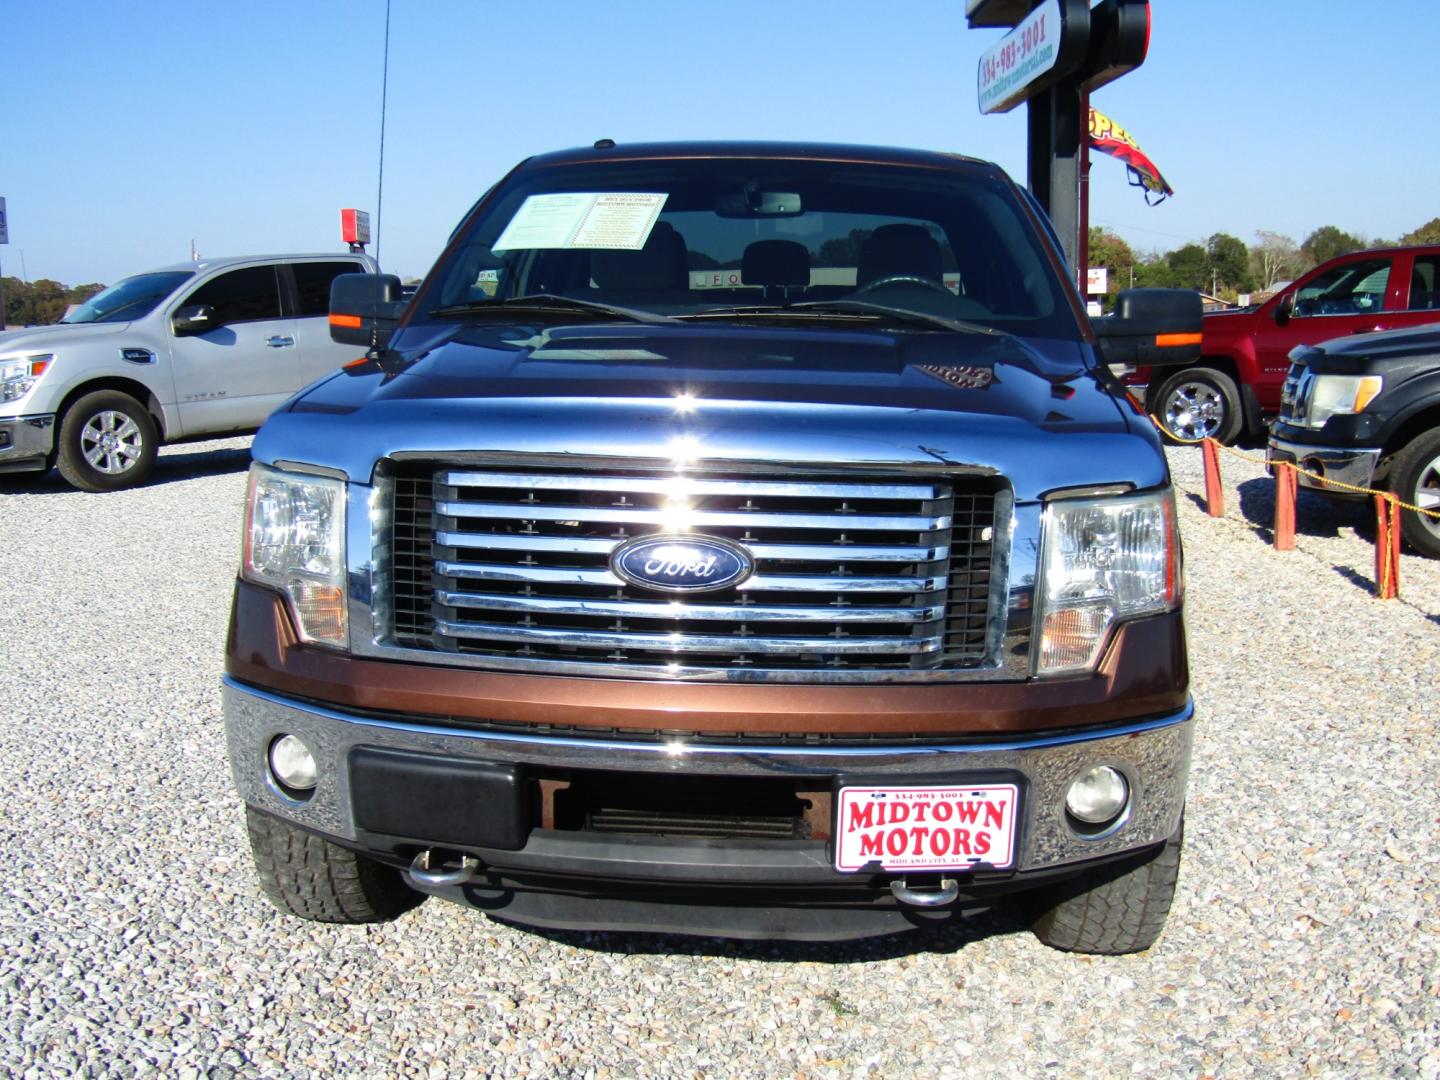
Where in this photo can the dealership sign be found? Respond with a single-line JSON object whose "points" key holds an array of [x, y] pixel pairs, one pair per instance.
{"points": [[1021, 57], [4, 223]]}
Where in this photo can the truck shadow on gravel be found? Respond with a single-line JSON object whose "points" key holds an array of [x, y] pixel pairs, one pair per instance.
{"points": [[171, 467], [1314, 515], [937, 940]]}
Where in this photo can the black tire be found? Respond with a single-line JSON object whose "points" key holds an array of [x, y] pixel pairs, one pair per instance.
{"points": [[1116, 908], [107, 442], [307, 875], [1197, 403], [1415, 479]]}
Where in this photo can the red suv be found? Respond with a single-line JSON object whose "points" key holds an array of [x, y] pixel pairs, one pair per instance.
{"points": [[1245, 352]]}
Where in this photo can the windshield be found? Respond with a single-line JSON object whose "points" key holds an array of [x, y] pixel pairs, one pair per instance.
{"points": [[129, 299], [760, 238]]}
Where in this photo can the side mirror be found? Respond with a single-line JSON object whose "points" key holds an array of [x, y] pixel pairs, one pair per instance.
{"points": [[1151, 327], [1284, 309], [193, 319], [364, 308]]}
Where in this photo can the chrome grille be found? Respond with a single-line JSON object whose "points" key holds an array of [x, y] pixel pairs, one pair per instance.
{"points": [[851, 573], [1295, 395]]}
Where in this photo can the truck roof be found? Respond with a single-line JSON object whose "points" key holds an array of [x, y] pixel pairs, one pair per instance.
{"points": [[239, 260], [811, 151]]}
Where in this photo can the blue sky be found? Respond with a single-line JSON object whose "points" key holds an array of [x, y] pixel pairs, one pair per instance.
{"points": [[132, 129]]}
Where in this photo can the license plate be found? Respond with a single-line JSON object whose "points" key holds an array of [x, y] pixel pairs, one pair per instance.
{"points": [[930, 828]]}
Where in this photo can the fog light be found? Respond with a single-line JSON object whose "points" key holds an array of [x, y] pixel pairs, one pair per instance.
{"points": [[292, 763], [1097, 795]]}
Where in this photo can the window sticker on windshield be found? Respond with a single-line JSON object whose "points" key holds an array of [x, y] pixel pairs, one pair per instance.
{"points": [[614, 220]]}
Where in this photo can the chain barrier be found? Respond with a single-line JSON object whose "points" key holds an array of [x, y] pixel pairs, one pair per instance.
{"points": [[1387, 505]]}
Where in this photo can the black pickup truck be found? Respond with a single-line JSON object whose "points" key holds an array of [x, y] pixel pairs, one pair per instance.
{"points": [[1365, 411]]}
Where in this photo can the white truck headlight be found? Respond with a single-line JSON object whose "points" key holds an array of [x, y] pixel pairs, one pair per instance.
{"points": [[295, 542], [1101, 561], [1341, 395], [21, 371]]}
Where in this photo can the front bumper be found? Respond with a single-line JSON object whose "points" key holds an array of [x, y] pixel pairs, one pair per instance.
{"points": [[26, 442], [1353, 466], [771, 888]]}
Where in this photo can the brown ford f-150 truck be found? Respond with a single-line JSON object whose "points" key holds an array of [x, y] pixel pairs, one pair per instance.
{"points": [[743, 540]]}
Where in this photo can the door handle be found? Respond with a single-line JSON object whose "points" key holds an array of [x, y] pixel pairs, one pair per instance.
{"points": [[278, 342], [1368, 330]]}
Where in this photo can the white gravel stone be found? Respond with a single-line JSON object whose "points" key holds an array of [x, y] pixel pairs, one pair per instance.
{"points": [[133, 942]]}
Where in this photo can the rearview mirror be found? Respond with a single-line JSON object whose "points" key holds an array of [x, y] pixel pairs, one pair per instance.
{"points": [[1152, 327], [193, 319], [364, 308], [1284, 309], [754, 203]]}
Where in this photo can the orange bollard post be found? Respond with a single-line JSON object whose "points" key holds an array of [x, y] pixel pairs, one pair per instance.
{"points": [[1214, 493], [1387, 547], [1285, 479]]}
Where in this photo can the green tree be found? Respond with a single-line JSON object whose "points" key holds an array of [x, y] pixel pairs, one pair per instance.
{"points": [[1429, 233], [80, 293], [1229, 263], [1109, 250], [1327, 242], [1153, 272], [1189, 267]]}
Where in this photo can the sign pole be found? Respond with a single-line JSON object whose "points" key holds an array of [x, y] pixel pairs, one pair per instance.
{"points": [[4, 239]]}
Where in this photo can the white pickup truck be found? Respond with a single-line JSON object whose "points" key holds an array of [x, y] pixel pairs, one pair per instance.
{"points": [[194, 350]]}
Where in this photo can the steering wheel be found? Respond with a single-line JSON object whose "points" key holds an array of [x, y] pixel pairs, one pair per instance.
{"points": [[902, 279]]}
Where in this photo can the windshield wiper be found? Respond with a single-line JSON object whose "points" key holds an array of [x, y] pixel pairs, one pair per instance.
{"points": [[550, 304], [908, 314]]}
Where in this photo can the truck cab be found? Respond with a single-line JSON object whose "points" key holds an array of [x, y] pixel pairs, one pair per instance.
{"points": [[1238, 381]]}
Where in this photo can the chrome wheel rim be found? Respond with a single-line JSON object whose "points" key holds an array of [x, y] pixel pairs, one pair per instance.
{"points": [[1194, 410], [111, 442], [1427, 494]]}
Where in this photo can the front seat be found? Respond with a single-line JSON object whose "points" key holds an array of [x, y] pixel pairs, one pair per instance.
{"points": [[778, 265], [899, 250], [643, 276]]}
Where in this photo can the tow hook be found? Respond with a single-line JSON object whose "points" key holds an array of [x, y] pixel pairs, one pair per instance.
{"points": [[926, 898], [421, 873]]}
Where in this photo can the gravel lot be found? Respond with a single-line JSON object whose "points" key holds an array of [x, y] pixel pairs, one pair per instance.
{"points": [[1305, 939]]}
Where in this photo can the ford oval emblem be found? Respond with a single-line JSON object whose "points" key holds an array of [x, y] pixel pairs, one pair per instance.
{"points": [[679, 564]]}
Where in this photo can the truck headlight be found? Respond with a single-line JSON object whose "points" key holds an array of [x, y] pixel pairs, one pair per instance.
{"points": [[1101, 561], [1341, 395], [21, 371], [295, 542]]}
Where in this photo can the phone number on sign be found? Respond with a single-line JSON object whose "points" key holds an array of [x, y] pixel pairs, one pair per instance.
{"points": [[1015, 51]]}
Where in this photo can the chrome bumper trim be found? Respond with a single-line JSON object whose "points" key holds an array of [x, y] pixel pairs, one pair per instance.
{"points": [[1345, 464], [1154, 756], [30, 437]]}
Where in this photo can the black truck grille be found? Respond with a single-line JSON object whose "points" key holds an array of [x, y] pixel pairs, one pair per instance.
{"points": [[851, 572]]}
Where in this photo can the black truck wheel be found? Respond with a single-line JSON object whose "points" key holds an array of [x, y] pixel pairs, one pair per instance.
{"points": [[107, 442], [1199, 403], [311, 877], [1416, 480], [1119, 907]]}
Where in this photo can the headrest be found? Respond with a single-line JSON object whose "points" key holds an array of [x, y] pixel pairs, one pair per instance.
{"points": [[659, 265], [899, 249], [775, 262]]}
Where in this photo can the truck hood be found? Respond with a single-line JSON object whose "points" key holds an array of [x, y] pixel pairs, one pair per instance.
{"points": [[1379, 347], [1030, 411], [52, 337]]}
